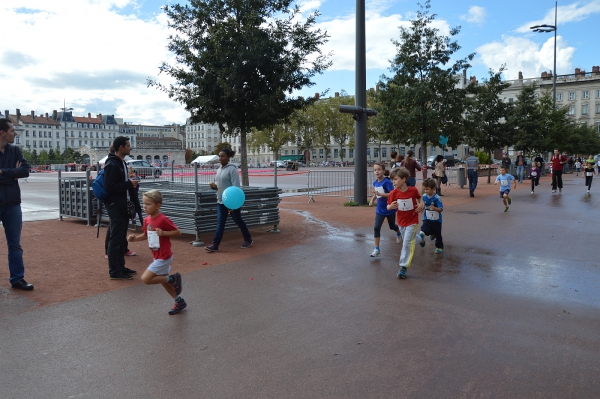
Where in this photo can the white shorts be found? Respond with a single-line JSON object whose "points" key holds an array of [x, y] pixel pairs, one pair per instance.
{"points": [[161, 267]]}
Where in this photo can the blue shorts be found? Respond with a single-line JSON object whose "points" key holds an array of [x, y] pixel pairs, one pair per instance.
{"points": [[504, 192]]}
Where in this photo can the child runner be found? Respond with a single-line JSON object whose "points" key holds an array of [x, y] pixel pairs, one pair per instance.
{"points": [[578, 166], [534, 175], [504, 180], [382, 187], [432, 218], [407, 201], [588, 172], [160, 228]]}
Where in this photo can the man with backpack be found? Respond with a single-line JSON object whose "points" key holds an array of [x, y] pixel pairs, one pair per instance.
{"points": [[121, 203]]}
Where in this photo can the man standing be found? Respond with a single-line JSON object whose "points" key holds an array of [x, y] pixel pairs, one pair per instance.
{"points": [[12, 167], [557, 162], [119, 187], [472, 166], [521, 164]]}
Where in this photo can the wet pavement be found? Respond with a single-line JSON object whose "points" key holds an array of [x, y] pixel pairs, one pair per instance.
{"points": [[510, 310]]}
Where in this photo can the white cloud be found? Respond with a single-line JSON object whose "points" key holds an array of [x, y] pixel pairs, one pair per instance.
{"points": [[569, 13], [524, 55], [476, 15], [86, 52]]}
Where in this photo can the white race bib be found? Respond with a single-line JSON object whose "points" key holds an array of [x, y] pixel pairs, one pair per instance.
{"points": [[432, 215], [534, 174], [405, 205], [379, 190], [589, 173], [153, 241], [504, 183]]}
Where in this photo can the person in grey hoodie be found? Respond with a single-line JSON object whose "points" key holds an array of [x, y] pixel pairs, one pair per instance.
{"points": [[227, 176]]}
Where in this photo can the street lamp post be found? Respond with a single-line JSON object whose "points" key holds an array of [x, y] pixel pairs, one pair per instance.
{"points": [[65, 109], [545, 29]]}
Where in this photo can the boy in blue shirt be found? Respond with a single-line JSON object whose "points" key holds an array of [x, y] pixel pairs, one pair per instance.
{"points": [[504, 180], [432, 216]]}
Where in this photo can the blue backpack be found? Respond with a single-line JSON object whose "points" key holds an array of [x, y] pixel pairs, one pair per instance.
{"points": [[98, 187]]}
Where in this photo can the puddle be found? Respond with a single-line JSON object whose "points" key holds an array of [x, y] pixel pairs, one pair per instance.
{"points": [[333, 232]]}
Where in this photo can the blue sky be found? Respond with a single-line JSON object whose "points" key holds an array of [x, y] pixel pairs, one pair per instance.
{"points": [[97, 54]]}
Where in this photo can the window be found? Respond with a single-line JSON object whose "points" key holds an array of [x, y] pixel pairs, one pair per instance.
{"points": [[26, 133], [511, 100], [376, 152], [34, 144], [17, 140], [368, 152], [597, 127], [598, 108], [598, 94], [572, 95], [320, 153], [351, 153], [384, 152], [571, 110], [402, 150], [584, 109], [585, 95], [336, 153], [314, 153], [45, 134], [50, 144], [34, 133], [27, 143]]}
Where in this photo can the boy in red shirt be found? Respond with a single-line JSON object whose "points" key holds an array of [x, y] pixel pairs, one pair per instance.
{"points": [[157, 230], [407, 201]]}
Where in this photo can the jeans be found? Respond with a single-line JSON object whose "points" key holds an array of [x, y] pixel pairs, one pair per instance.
{"points": [[557, 179], [236, 215], [520, 170], [12, 220], [411, 182], [119, 221], [472, 175]]}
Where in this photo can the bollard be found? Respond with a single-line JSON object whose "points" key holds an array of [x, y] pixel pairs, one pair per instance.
{"points": [[460, 177]]}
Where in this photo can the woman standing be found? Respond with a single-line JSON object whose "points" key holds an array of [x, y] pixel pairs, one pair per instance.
{"points": [[227, 176], [412, 166], [440, 171]]}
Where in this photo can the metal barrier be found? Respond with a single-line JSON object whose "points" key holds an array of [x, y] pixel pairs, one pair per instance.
{"points": [[331, 183], [76, 198]]}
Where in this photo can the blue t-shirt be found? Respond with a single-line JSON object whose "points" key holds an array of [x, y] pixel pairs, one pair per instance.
{"points": [[387, 186], [504, 181], [432, 216]]}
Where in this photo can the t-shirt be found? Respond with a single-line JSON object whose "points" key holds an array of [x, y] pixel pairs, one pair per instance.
{"points": [[504, 181], [164, 223], [578, 164], [406, 214], [385, 186], [556, 161], [472, 162], [534, 173], [589, 167], [432, 216]]}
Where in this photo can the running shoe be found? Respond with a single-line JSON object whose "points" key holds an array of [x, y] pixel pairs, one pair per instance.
{"points": [[506, 209], [560, 190], [130, 253], [178, 306], [212, 248], [532, 192], [375, 253], [121, 277], [246, 244], [398, 238], [402, 272], [129, 271], [422, 243], [509, 201], [438, 251], [176, 282]]}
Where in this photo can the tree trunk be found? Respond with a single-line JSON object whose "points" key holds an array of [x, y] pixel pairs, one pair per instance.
{"points": [[245, 180], [489, 166]]}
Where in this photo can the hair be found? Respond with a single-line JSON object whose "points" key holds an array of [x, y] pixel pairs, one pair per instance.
{"points": [[380, 164], [401, 172], [154, 196], [386, 173], [471, 152], [504, 167], [439, 158], [400, 158], [393, 154], [410, 154], [429, 183], [228, 151], [118, 142], [111, 149], [4, 124]]}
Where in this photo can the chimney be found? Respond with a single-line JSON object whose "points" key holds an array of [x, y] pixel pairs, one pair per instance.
{"points": [[577, 70], [18, 115], [100, 116], [544, 74], [337, 94], [316, 96], [464, 76], [32, 115], [46, 115], [6, 114], [596, 70], [520, 75], [54, 115], [89, 115]]}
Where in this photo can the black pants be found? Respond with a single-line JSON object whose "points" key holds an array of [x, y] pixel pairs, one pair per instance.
{"points": [[107, 239], [379, 219], [534, 182], [556, 179], [433, 229], [588, 181], [119, 221]]}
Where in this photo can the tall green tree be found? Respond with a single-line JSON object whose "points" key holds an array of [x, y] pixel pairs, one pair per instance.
{"points": [[421, 100], [526, 119], [274, 137], [331, 124], [239, 61]]}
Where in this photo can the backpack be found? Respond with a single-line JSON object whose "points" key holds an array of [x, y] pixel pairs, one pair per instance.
{"points": [[98, 187]]}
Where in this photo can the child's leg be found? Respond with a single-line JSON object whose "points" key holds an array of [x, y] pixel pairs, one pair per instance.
{"points": [[532, 184], [408, 245], [377, 228], [437, 232], [391, 219], [504, 197], [150, 278]]}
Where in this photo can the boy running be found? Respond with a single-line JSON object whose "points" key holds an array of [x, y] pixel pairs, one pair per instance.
{"points": [[157, 230], [432, 218], [407, 201], [504, 180], [589, 172]]}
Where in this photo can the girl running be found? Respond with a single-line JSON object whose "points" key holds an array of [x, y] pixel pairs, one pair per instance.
{"points": [[381, 190], [588, 172]]}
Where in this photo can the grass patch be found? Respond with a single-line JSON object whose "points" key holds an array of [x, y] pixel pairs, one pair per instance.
{"points": [[352, 203]]}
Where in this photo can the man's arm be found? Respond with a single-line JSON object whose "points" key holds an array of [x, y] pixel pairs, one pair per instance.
{"points": [[19, 171]]}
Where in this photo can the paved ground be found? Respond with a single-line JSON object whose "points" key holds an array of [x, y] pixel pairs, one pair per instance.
{"points": [[510, 310]]}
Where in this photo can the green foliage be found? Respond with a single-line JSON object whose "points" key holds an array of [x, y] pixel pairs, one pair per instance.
{"points": [[483, 157], [43, 158], [220, 147], [274, 137], [330, 123], [526, 119], [239, 61]]}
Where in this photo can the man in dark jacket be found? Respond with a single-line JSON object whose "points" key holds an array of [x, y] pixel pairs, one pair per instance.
{"points": [[120, 190], [12, 167]]}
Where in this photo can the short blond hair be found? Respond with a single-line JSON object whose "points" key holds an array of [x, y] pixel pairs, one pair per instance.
{"points": [[154, 196]]}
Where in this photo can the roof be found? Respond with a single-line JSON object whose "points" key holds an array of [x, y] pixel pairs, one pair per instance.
{"points": [[38, 119], [85, 119]]}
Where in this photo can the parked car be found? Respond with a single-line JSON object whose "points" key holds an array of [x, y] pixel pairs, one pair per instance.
{"points": [[143, 169], [280, 164]]}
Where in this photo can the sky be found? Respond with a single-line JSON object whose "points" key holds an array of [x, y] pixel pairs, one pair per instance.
{"points": [[95, 56]]}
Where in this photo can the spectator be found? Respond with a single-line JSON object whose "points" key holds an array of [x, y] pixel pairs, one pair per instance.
{"points": [[472, 167], [412, 166], [521, 164]]}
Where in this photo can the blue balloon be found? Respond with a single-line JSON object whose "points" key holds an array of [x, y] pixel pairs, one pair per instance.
{"points": [[233, 197], [443, 140]]}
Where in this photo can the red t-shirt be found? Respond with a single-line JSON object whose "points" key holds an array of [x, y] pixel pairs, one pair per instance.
{"points": [[556, 161], [164, 223], [406, 215]]}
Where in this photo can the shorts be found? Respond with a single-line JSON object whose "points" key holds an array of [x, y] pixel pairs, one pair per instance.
{"points": [[504, 192], [161, 267]]}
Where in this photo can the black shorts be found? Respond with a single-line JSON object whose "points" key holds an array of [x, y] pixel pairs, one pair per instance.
{"points": [[504, 192]]}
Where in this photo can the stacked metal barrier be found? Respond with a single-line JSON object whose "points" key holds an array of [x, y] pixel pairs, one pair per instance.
{"points": [[76, 197]]}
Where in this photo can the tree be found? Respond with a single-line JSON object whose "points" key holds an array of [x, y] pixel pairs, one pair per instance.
{"points": [[43, 158], [525, 118], [330, 123], [274, 137], [238, 62], [487, 127], [220, 146], [421, 100], [189, 155]]}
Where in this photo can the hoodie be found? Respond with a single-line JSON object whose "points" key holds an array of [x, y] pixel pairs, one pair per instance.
{"points": [[227, 176]]}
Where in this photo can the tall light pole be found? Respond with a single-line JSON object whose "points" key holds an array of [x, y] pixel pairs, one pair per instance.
{"points": [[545, 29], [65, 109]]}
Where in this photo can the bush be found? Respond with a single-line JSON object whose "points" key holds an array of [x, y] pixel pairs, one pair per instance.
{"points": [[483, 157]]}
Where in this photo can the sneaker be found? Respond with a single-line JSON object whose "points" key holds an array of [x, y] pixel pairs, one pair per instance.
{"points": [[553, 191], [246, 244], [588, 191], [130, 253], [509, 201], [506, 209], [212, 248], [129, 271], [121, 277], [178, 307], [422, 243], [560, 190], [532, 192], [176, 282], [375, 253], [402, 272], [438, 251], [399, 236]]}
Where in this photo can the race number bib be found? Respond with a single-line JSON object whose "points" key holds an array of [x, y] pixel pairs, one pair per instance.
{"points": [[533, 174], [405, 205], [504, 183], [432, 215], [589, 173], [379, 190], [153, 241]]}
